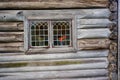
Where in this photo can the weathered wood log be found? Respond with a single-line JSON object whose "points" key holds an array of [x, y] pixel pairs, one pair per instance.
{"points": [[93, 21], [113, 76], [113, 6], [11, 36], [12, 44], [113, 48], [113, 35], [79, 54], [113, 26], [99, 65], [52, 4], [113, 16], [95, 78], [112, 67], [93, 33], [85, 44], [92, 26], [55, 74], [53, 62], [11, 49], [11, 15], [11, 26], [112, 59], [17, 15], [11, 53], [31, 62], [81, 13]]}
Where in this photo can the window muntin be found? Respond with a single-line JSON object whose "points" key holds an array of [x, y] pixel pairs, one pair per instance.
{"points": [[50, 33], [61, 33], [39, 33]]}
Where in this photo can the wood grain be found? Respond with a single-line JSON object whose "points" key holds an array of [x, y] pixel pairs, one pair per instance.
{"points": [[11, 26], [93, 65], [55, 74], [11, 36], [38, 4], [93, 33], [85, 44]]}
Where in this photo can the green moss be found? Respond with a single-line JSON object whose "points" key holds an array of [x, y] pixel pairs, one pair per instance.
{"points": [[53, 63], [9, 65], [67, 62]]}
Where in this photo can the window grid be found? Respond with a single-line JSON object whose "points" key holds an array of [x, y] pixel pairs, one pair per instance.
{"points": [[61, 33], [41, 31]]}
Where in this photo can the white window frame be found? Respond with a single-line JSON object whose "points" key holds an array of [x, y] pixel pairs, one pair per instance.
{"points": [[59, 15]]}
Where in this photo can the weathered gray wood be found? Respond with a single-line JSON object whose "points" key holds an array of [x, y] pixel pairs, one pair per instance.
{"points": [[12, 44], [11, 49], [94, 21], [79, 54], [34, 50], [85, 44], [11, 64], [93, 33], [56, 74], [99, 65], [11, 53], [11, 36], [10, 26], [95, 78], [79, 13], [11, 15], [18, 15], [83, 60], [113, 6], [53, 4], [92, 26]]}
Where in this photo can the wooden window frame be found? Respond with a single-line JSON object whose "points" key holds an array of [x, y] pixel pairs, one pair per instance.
{"points": [[60, 16]]}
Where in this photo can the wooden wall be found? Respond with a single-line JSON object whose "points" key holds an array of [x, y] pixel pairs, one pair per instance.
{"points": [[96, 43], [42, 4]]}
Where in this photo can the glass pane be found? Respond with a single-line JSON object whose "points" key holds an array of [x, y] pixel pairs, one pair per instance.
{"points": [[39, 33], [61, 36]]}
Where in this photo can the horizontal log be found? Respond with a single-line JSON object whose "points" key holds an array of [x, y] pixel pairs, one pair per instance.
{"points": [[52, 4], [17, 15], [11, 26], [85, 44], [100, 65], [94, 78], [93, 33], [11, 53], [11, 49], [93, 21], [11, 16], [12, 44], [79, 54], [81, 13], [55, 74], [11, 36], [61, 62], [88, 26]]}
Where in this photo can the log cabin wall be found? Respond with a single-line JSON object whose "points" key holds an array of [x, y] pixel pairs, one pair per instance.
{"points": [[96, 33]]}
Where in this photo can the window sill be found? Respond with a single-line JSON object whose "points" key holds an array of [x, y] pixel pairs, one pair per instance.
{"points": [[50, 50]]}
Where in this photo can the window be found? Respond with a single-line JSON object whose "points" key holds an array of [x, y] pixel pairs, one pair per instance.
{"points": [[50, 33]]}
